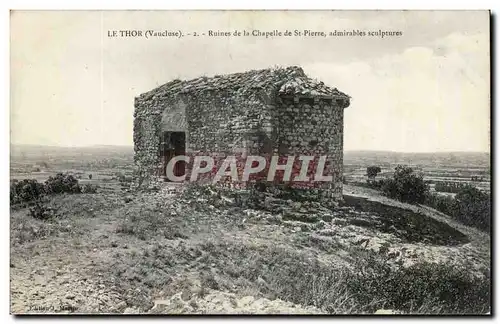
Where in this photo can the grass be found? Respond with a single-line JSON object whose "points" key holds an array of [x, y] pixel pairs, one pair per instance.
{"points": [[69, 213], [24, 228], [148, 223], [150, 243], [272, 272]]}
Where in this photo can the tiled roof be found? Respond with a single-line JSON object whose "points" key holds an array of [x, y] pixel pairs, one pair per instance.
{"points": [[305, 86], [289, 80]]}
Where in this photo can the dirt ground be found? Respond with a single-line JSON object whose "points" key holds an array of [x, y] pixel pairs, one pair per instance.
{"points": [[157, 253]]}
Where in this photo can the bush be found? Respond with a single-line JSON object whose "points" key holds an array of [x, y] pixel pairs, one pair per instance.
{"points": [[406, 186], [41, 211], [470, 206], [89, 188], [473, 208], [373, 171], [29, 190], [25, 191], [444, 204], [62, 183]]}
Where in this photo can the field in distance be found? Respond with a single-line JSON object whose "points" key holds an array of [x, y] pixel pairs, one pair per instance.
{"points": [[105, 162], [439, 167], [101, 165]]}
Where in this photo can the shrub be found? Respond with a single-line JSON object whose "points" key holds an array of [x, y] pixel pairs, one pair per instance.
{"points": [[30, 190], [62, 183], [25, 191], [405, 185], [41, 211], [444, 204], [89, 188], [373, 171], [473, 208], [470, 206]]}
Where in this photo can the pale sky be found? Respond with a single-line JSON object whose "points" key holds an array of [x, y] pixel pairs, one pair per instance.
{"points": [[427, 90]]}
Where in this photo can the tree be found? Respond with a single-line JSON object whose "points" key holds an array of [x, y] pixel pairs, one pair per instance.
{"points": [[373, 171], [406, 185]]}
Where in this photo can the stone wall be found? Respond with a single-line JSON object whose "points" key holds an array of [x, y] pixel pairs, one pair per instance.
{"points": [[154, 114], [217, 123], [173, 118], [222, 121], [228, 123], [239, 123], [306, 126]]}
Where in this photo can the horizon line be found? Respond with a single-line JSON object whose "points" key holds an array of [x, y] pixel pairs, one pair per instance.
{"points": [[348, 150]]}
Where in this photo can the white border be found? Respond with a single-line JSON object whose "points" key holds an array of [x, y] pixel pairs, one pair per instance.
{"points": [[200, 4], [255, 4]]}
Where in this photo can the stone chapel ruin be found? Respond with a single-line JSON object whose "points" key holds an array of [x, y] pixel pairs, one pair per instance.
{"points": [[271, 112]]}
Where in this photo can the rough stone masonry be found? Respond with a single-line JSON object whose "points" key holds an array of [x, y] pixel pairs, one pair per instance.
{"points": [[278, 111]]}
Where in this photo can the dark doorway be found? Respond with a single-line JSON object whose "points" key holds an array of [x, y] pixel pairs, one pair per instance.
{"points": [[173, 144]]}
